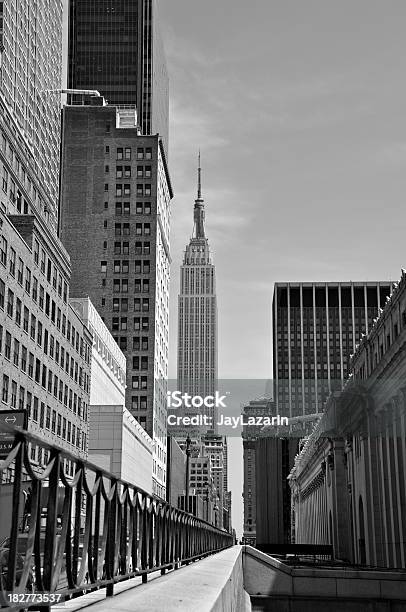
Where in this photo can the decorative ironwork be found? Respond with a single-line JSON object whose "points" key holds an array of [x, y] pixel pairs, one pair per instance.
{"points": [[74, 534]]}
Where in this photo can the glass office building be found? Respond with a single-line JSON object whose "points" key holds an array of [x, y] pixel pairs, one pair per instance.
{"points": [[316, 327], [116, 49]]}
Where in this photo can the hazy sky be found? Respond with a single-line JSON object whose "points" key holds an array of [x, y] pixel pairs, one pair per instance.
{"points": [[298, 107]]}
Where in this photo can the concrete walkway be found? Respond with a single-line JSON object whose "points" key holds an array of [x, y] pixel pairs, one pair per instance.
{"points": [[214, 584]]}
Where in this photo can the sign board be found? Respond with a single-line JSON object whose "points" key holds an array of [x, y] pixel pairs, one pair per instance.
{"points": [[10, 419]]}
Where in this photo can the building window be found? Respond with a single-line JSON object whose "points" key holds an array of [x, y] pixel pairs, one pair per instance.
{"points": [[3, 251], [12, 262], [4, 394], [16, 356], [119, 153], [119, 190], [25, 319], [127, 153], [126, 208], [2, 294], [103, 267], [20, 271], [140, 153], [7, 346], [27, 280], [10, 303], [18, 311]]}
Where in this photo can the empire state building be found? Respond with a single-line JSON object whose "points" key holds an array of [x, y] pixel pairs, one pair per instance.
{"points": [[197, 316]]}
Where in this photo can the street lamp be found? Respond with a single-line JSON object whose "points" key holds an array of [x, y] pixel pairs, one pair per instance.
{"points": [[188, 441]]}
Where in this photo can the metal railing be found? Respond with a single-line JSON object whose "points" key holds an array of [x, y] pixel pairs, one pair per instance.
{"points": [[74, 534]]}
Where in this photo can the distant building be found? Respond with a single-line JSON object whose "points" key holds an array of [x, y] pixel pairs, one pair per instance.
{"points": [[197, 324], [175, 471], [45, 349], [213, 446], [117, 50], [316, 327], [30, 78], [108, 377], [250, 435], [115, 218], [201, 480], [119, 444], [348, 484]]}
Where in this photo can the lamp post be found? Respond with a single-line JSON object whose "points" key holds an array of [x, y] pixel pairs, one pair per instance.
{"points": [[188, 441]]}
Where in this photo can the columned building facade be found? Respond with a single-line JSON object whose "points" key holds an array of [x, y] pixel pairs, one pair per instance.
{"points": [[348, 484], [316, 327]]}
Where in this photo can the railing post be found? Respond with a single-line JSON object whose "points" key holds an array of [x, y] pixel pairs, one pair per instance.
{"points": [[50, 533]]}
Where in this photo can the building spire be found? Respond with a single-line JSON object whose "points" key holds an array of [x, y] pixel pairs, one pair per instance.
{"points": [[199, 206], [199, 180]]}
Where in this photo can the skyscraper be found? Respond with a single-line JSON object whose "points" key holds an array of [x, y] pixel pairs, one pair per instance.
{"points": [[115, 217], [316, 327], [116, 48], [197, 316], [30, 77]]}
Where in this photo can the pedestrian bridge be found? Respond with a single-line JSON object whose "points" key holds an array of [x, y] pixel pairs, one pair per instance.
{"points": [[240, 579], [103, 543]]}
